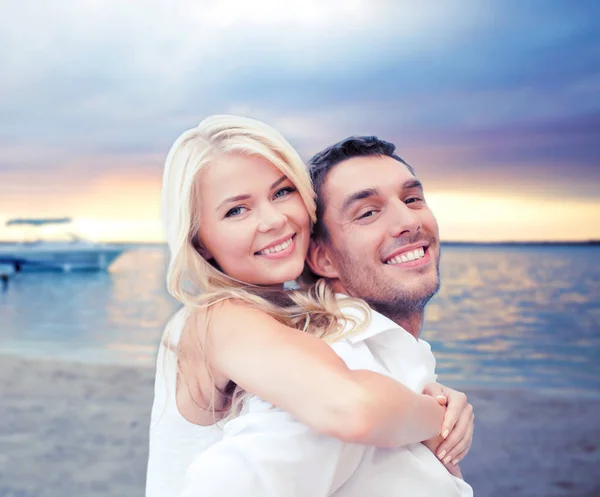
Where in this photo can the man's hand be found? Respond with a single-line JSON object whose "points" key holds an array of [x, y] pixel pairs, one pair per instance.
{"points": [[457, 428]]}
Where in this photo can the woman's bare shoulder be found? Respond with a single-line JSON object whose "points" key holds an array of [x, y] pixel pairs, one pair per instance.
{"points": [[230, 311], [235, 323]]}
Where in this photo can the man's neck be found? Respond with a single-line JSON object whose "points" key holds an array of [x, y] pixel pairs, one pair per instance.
{"points": [[411, 321]]}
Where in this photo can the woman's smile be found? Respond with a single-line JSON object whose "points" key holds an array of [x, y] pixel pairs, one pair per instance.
{"points": [[279, 249], [253, 215]]}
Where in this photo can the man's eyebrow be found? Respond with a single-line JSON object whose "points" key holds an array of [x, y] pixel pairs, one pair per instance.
{"points": [[237, 198], [370, 192], [359, 195], [412, 183]]}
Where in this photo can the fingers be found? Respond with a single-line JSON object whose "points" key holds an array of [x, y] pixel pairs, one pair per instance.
{"points": [[457, 402], [469, 437], [454, 469], [459, 439], [436, 390], [459, 456]]}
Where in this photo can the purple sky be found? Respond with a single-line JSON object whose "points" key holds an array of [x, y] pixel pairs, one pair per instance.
{"points": [[496, 104]]}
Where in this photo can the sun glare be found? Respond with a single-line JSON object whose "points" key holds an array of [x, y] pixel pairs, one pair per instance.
{"points": [[464, 216]]}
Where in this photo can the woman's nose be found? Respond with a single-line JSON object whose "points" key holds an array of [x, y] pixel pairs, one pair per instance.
{"points": [[271, 219]]}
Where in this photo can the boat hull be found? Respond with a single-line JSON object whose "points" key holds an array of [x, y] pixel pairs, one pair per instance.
{"points": [[85, 259]]}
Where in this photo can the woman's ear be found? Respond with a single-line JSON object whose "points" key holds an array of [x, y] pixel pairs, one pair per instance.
{"points": [[320, 261]]}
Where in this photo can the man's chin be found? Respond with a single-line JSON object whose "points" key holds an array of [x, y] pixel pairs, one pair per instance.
{"points": [[419, 292], [418, 278]]}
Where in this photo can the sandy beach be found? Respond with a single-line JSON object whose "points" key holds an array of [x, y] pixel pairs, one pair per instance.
{"points": [[80, 429]]}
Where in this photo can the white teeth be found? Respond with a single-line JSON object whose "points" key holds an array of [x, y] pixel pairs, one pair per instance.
{"points": [[277, 248], [408, 256]]}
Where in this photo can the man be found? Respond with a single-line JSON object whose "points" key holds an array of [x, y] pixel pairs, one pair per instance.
{"points": [[376, 239]]}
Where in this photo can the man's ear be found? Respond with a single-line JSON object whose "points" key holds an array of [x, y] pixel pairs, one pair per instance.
{"points": [[320, 261], [205, 253], [202, 250]]}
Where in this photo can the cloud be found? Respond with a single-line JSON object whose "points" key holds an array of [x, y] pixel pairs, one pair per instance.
{"points": [[469, 91], [100, 72]]}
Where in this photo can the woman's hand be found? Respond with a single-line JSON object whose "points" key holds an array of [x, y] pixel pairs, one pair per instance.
{"points": [[457, 428], [432, 444]]}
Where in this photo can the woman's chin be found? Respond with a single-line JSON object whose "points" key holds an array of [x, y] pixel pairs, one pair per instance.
{"points": [[276, 276], [280, 279]]}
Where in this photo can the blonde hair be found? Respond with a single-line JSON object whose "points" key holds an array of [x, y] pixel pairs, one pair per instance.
{"points": [[189, 274], [193, 280]]}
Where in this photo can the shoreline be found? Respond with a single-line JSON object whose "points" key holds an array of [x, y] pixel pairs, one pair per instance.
{"points": [[75, 428], [147, 362]]}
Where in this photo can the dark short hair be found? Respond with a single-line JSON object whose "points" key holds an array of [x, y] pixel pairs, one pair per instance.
{"points": [[323, 162]]}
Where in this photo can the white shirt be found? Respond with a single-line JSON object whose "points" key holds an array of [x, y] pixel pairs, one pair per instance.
{"points": [[265, 452], [174, 441]]}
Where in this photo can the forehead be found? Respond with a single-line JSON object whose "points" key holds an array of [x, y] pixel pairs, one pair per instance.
{"points": [[238, 168], [359, 173], [230, 174]]}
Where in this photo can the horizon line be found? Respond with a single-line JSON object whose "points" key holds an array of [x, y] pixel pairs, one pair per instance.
{"points": [[592, 241]]}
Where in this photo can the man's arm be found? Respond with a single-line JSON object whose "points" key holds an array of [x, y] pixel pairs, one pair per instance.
{"points": [[267, 453]]}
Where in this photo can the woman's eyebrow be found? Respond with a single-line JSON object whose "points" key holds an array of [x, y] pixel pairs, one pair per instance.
{"points": [[237, 198], [245, 196], [279, 181]]}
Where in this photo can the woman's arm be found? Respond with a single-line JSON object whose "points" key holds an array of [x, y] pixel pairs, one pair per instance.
{"points": [[302, 375]]}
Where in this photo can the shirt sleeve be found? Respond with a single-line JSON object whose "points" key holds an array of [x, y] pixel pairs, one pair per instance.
{"points": [[267, 453]]}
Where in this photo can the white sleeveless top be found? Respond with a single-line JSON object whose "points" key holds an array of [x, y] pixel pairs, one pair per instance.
{"points": [[174, 441]]}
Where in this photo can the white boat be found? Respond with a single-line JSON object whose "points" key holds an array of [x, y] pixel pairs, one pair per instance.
{"points": [[71, 254]]}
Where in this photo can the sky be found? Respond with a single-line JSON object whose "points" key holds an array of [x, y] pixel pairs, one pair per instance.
{"points": [[495, 104]]}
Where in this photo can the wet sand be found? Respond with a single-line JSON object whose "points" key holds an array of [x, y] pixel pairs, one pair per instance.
{"points": [[80, 429]]}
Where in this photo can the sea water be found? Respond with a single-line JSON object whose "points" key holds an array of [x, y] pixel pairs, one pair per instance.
{"points": [[505, 316]]}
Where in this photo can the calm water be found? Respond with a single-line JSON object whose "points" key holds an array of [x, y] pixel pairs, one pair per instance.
{"points": [[505, 316]]}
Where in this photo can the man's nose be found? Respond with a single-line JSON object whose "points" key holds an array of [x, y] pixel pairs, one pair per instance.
{"points": [[403, 220], [270, 218]]}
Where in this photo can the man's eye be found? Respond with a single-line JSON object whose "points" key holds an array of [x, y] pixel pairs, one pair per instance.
{"points": [[366, 214], [236, 211], [412, 200], [284, 191]]}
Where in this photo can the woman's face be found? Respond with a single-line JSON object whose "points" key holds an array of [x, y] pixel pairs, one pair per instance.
{"points": [[253, 222]]}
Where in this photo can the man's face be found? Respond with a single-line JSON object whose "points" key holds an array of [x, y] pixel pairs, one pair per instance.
{"points": [[383, 238]]}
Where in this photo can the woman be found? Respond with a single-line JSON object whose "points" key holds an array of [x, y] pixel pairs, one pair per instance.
{"points": [[238, 207]]}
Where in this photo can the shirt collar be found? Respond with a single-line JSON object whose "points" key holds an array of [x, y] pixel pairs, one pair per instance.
{"points": [[378, 323]]}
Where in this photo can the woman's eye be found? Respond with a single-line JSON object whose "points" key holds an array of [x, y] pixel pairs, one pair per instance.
{"points": [[236, 211], [284, 191]]}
